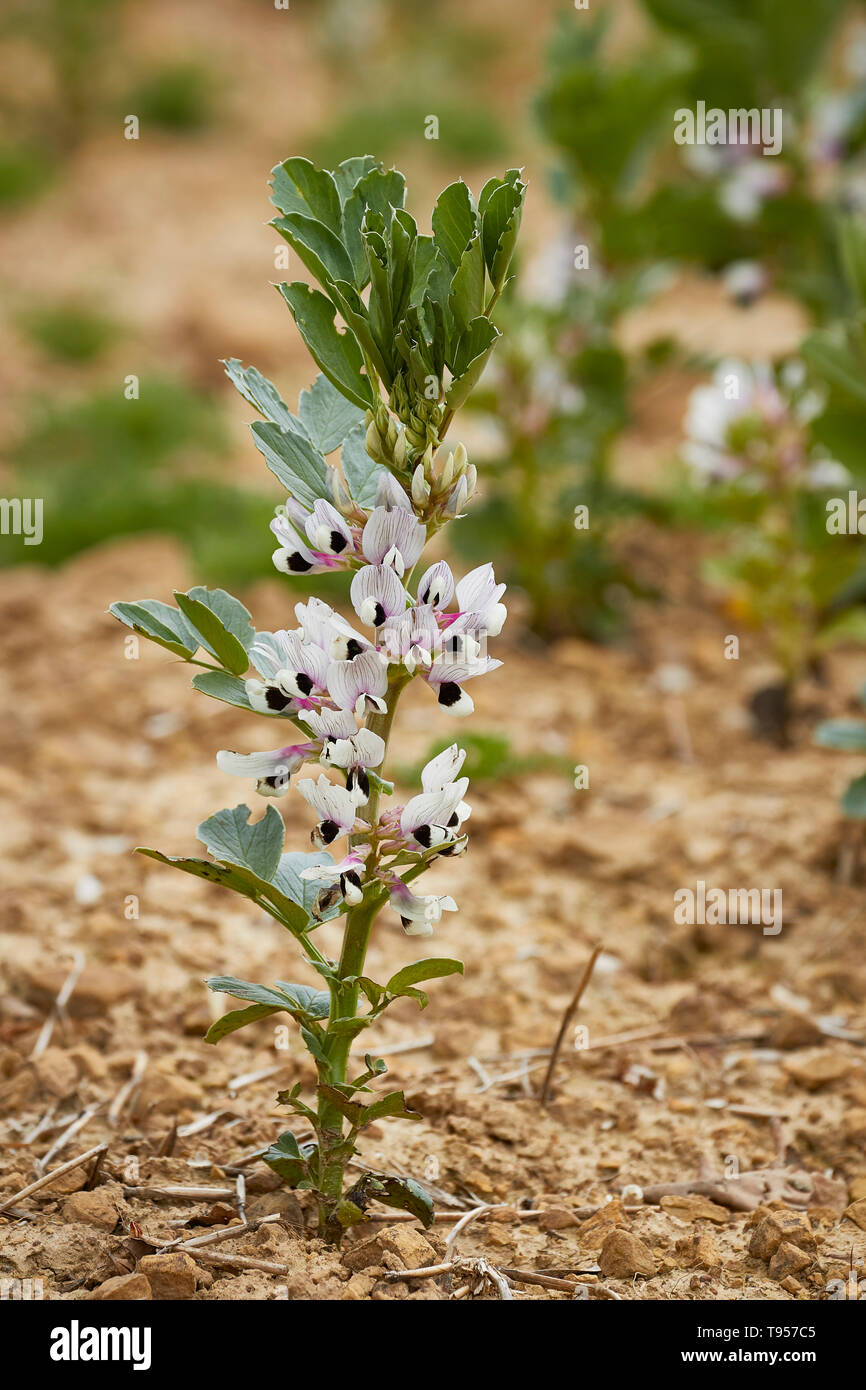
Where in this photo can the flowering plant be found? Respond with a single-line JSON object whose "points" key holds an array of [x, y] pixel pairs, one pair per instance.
{"points": [[759, 460], [418, 335]]}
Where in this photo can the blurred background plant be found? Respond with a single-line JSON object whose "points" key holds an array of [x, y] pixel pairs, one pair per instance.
{"points": [[637, 207], [618, 211], [71, 75], [771, 445], [847, 736]]}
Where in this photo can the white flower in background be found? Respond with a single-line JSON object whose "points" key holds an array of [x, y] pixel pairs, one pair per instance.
{"points": [[750, 185], [752, 423], [745, 281]]}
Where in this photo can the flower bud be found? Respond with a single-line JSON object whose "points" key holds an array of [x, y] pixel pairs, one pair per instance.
{"points": [[342, 500], [373, 443], [401, 450], [456, 501], [420, 488], [460, 460], [471, 476], [446, 477]]}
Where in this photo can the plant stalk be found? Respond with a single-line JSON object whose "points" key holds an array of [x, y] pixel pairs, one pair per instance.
{"points": [[344, 1001]]}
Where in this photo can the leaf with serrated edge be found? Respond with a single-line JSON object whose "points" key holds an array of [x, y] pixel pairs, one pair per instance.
{"points": [[327, 416], [300, 187], [229, 835], [259, 392], [454, 222]]}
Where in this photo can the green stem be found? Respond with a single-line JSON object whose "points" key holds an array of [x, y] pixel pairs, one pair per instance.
{"points": [[344, 996]]}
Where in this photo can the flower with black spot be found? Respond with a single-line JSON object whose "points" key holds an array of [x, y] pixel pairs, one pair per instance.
{"points": [[335, 808]]}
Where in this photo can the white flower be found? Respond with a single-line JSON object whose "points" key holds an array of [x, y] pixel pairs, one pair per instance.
{"points": [[433, 818], [393, 537], [479, 594], [272, 770], [335, 807], [436, 586], [359, 684], [419, 914], [441, 770], [377, 594]]}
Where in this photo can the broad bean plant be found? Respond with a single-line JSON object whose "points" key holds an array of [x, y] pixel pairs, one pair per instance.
{"points": [[418, 333]]}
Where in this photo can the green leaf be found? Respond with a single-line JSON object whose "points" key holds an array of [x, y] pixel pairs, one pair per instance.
{"points": [[470, 359], [349, 174], [160, 623], [260, 393], [226, 876], [336, 354], [836, 363], [402, 1193], [300, 187], [290, 1160], [362, 474], [350, 1109], [381, 190], [499, 228], [244, 881], [308, 1003], [302, 891], [426, 256], [320, 249], [247, 989], [846, 734], [374, 992], [294, 460], [327, 416], [467, 288], [238, 1018], [314, 1047], [221, 686], [348, 1027], [230, 836], [455, 222], [434, 968], [854, 799], [224, 624], [390, 1107]]}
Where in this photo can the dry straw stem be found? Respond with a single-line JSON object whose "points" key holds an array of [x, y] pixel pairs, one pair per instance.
{"points": [[48, 1178], [566, 1020], [241, 1262]]}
